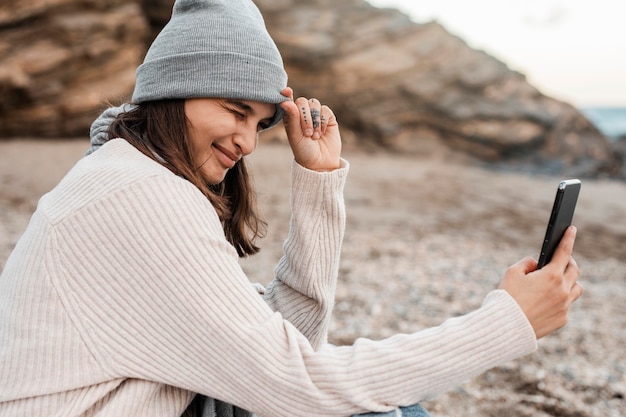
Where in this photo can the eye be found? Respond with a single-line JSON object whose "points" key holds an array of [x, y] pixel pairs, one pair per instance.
{"points": [[239, 114], [263, 126]]}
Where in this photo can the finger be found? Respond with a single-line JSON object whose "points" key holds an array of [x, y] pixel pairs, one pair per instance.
{"points": [[306, 122], [525, 266], [572, 272], [572, 265], [315, 108], [327, 119], [564, 250], [575, 292]]}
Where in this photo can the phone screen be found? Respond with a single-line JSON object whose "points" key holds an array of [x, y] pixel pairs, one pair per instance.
{"points": [[560, 218]]}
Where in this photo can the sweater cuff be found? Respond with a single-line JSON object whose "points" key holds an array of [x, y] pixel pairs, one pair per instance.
{"points": [[311, 188], [302, 173], [501, 301]]}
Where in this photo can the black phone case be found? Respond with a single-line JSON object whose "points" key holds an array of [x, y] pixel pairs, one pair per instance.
{"points": [[560, 218]]}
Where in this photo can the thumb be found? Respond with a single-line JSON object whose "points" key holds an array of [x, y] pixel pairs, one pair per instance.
{"points": [[518, 270], [291, 111], [288, 106], [525, 266], [291, 120]]}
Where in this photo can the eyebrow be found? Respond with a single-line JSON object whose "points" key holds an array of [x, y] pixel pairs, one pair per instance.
{"points": [[242, 106]]}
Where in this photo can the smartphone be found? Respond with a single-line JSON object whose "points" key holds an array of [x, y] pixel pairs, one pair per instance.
{"points": [[560, 218]]}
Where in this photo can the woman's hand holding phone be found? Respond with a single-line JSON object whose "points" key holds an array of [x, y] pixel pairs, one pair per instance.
{"points": [[545, 295]]}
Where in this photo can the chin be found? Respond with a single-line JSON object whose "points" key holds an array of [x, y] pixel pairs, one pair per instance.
{"points": [[215, 179]]}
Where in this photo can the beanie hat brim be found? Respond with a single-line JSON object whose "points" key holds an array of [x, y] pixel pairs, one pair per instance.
{"points": [[209, 74]]}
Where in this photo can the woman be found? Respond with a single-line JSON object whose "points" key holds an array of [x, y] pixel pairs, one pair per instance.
{"points": [[124, 296]]}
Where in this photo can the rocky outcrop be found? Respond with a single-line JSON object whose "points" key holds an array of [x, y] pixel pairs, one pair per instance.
{"points": [[60, 60], [396, 84], [414, 87]]}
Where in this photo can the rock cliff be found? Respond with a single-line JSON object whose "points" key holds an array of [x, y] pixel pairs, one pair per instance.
{"points": [[394, 84], [61, 59]]}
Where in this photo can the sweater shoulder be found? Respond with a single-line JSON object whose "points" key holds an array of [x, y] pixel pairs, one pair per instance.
{"points": [[116, 166], [117, 163]]}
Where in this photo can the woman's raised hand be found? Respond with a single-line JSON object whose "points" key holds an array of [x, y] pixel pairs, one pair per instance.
{"points": [[313, 133], [545, 295]]}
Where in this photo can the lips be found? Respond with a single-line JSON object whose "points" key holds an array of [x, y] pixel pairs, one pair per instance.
{"points": [[226, 157]]}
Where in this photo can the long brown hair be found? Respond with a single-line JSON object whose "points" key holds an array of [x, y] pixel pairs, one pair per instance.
{"points": [[159, 130]]}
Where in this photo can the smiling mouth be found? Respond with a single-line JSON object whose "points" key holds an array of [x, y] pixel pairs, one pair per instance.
{"points": [[228, 158]]}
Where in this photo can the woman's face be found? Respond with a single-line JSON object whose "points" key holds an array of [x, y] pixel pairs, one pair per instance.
{"points": [[222, 131]]}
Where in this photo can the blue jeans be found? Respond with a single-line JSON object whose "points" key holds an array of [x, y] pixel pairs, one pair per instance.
{"points": [[414, 410]]}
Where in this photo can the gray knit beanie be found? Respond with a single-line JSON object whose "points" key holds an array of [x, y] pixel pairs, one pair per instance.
{"points": [[213, 48]]}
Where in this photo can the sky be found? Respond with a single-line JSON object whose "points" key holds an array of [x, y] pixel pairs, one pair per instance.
{"points": [[572, 50]]}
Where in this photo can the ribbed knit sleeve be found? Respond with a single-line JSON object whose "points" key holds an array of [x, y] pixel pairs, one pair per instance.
{"points": [[135, 277], [306, 276]]}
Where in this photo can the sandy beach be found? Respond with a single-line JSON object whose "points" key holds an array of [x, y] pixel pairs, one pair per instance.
{"points": [[426, 239]]}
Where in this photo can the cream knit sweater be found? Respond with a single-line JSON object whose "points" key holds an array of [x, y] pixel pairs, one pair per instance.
{"points": [[123, 298]]}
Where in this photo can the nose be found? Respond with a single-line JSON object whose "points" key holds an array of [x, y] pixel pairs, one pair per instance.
{"points": [[246, 141]]}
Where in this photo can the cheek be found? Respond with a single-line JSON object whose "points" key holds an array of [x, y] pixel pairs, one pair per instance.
{"points": [[207, 130], [194, 141], [199, 146]]}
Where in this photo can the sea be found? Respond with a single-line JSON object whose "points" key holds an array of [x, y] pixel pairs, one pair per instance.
{"points": [[609, 120]]}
